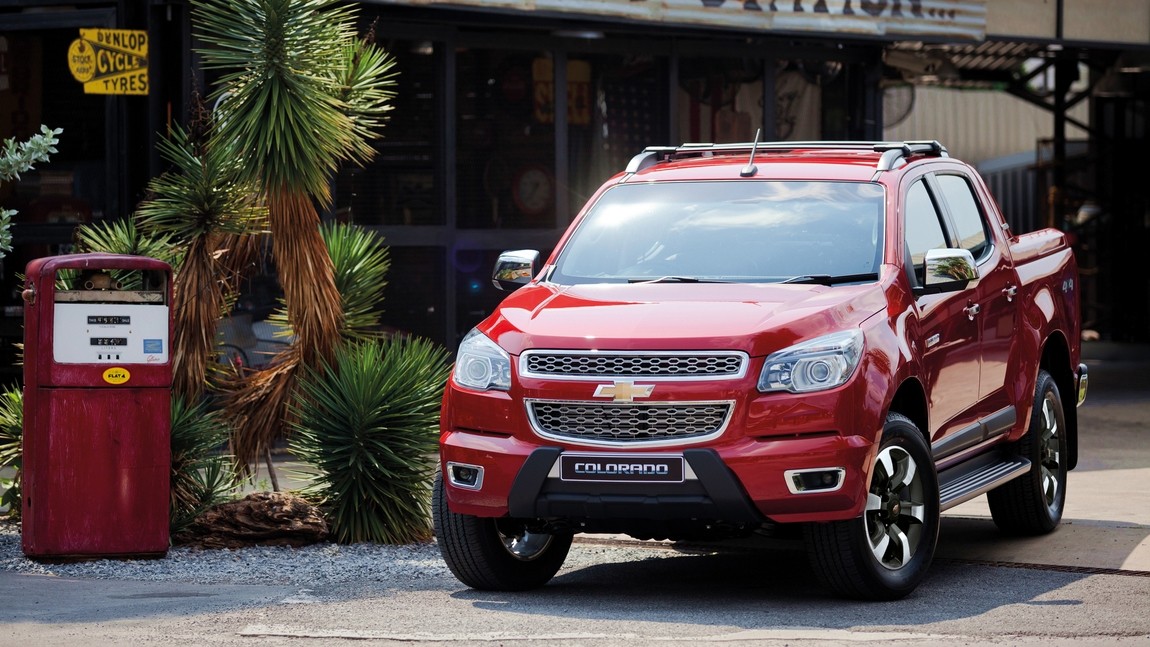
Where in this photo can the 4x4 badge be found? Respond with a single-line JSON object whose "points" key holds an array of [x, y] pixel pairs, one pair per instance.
{"points": [[624, 391]]}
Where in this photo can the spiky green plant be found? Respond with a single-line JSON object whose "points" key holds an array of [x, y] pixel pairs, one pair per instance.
{"points": [[299, 93], [367, 425], [361, 261], [125, 237], [202, 194], [202, 204], [11, 453], [201, 475]]}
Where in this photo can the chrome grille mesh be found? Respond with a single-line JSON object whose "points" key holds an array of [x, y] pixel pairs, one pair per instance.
{"points": [[629, 423], [634, 365]]}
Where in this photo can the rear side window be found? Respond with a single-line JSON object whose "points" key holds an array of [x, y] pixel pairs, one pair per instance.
{"points": [[969, 224]]}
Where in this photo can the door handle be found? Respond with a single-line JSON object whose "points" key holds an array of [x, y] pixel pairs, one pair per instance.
{"points": [[1010, 292], [972, 310]]}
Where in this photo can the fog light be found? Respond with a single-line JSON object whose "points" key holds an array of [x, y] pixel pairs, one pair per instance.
{"points": [[468, 477], [823, 479]]}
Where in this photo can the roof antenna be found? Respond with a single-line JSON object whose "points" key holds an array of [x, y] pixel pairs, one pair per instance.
{"points": [[750, 169]]}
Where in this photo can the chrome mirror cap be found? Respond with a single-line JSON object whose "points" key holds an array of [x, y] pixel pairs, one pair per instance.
{"points": [[514, 269], [949, 270]]}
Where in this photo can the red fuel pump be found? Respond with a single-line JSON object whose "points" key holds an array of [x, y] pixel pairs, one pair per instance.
{"points": [[97, 406]]}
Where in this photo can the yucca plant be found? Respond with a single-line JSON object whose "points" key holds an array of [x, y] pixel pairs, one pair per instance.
{"points": [[361, 261], [124, 237], [201, 475], [367, 424], [299, 93], [204, 207], [11, 435]]}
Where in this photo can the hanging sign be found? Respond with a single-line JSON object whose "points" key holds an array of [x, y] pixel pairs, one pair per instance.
{"points": [[905, 19], [110, 61]]}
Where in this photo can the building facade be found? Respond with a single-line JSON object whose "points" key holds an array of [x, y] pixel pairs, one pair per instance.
{"points": [[509, 113]]}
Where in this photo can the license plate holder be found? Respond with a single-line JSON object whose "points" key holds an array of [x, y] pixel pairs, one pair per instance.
{"points": [[633, 468]]}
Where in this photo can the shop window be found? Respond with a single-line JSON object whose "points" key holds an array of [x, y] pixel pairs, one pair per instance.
{"points": [[475, 296], [799, 99], [399, 186], [37, 88], [414, 302], [720, 100], [505, 157], [616, 109]]}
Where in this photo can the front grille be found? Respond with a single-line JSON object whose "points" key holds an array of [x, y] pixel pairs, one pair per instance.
{"points": [[628, 423], [634, 365]]}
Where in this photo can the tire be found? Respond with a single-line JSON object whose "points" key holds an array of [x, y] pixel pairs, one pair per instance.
{"points": [[496, 554], [885, 553], [1033, 503]]}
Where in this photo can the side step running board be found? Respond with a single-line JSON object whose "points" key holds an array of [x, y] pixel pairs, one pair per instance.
{"points": [[966, 481]]}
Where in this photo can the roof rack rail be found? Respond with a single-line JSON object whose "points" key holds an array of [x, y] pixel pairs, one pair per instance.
{"points": [[648, 158], [892, 152]]}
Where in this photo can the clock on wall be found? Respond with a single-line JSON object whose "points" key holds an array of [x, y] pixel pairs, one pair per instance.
{"points": [[533, 190]]}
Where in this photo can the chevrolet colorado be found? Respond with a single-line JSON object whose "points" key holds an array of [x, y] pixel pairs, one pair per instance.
{"points": [[843, 339]]}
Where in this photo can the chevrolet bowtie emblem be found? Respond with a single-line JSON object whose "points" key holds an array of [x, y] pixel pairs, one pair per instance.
{"points": [[624, 391]]}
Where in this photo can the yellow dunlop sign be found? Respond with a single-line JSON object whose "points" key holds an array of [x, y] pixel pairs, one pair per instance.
{"points": [[117, 375], [110, 61]]}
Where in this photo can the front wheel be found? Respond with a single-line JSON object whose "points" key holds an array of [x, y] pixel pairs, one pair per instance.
{"points": [[1032, 504], [885, 553], [496, 554]]}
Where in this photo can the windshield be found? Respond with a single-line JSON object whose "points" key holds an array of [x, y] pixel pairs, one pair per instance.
{"points": [[737, 231]]}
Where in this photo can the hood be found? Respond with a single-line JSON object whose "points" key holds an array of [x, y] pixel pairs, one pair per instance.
{"points": [[755, 318]]}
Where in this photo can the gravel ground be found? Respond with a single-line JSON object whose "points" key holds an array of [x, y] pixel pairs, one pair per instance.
{"points": [[418, 565], [317, 564]]}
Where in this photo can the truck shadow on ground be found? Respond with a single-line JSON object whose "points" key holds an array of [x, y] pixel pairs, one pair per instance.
{"points": [[764, 589]]}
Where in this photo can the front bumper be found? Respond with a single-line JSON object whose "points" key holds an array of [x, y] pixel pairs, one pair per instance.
{"points": [[748, 482]]}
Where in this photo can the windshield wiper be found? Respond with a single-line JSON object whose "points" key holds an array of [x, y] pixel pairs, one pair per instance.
{"points": [[676, 279], [827, 279]]}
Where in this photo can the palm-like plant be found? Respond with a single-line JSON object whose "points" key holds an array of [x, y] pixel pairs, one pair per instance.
{"points": [[204, 206], [124, 237], [368, 426], [200, 475], [360, 261], [11, 453], [299, 94]]}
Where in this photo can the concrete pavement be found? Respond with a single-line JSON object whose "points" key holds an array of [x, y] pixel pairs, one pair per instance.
{"points": [[1106, 523]]}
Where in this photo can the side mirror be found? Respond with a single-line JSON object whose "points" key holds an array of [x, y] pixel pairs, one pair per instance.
{"points": [[949, 270], [514, 269]]}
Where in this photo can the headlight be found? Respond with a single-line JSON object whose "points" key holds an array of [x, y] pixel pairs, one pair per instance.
{"points": [[481, 364], [815, 365]]}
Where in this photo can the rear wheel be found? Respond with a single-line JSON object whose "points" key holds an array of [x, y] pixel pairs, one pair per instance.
{"points": [[885, 553], [496, 554], [1032, 504]]}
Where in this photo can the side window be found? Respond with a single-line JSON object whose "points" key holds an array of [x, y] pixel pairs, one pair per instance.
{"points": [[968, 220], [922, 226]]}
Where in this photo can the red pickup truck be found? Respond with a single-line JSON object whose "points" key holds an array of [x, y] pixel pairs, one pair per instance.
{"points": [[843, 339]]}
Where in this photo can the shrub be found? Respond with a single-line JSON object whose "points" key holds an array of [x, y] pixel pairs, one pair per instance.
{"points": [[11, 433], [201, 475], [367, 424]]}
